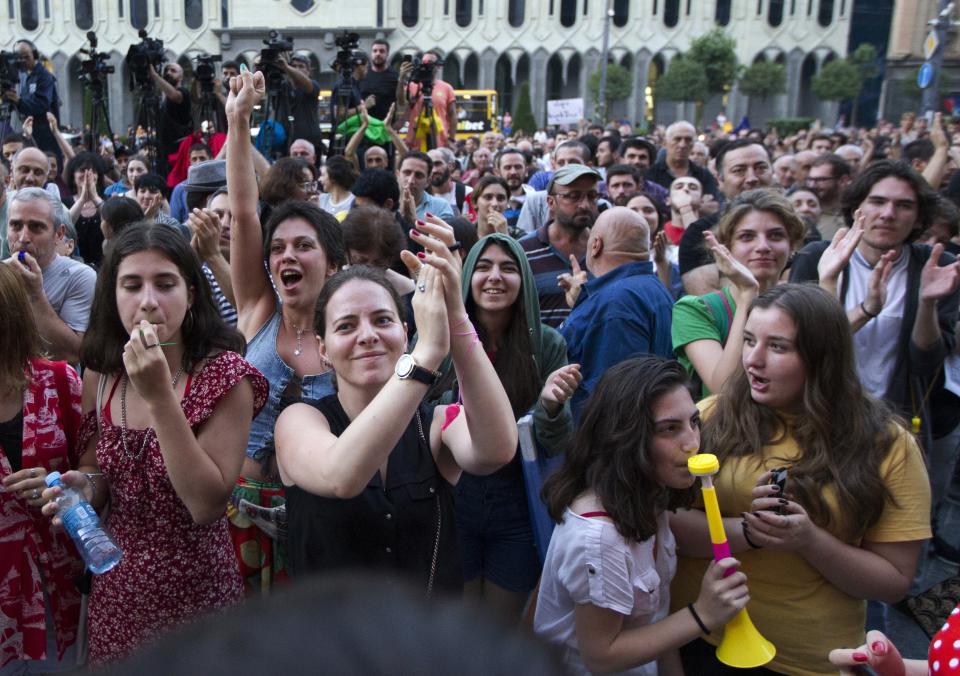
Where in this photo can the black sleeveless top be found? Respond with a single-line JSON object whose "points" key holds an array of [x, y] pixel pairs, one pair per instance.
{"points": [[390, 529]]}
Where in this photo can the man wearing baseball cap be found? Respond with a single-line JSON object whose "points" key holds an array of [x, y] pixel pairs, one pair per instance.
{"points": [[558, 247]]}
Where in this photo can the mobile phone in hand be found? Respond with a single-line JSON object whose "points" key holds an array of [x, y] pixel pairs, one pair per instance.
{"points": [[779, 478]]}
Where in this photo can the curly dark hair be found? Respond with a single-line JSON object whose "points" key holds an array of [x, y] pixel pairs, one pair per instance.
{"points": [[611, 451], [85, 160]]}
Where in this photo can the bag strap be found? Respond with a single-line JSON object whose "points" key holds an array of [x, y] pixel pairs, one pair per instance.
{"points": [[101, 388], [719, 307]]}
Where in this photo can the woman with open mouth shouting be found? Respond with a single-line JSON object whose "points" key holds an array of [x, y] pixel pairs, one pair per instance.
{"points": [[278, 273]]}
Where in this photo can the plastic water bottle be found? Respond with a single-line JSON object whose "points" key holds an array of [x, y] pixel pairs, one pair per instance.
{"points": [[80, 520]]}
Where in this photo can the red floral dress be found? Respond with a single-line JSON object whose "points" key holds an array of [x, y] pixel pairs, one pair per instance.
{"points": [[172, 568], [35, 558]]}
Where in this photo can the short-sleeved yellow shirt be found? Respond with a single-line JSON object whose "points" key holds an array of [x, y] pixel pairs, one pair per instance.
{"points": [[792, 604]]}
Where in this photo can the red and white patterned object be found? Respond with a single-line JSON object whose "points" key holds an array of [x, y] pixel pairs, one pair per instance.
{"points": [[944, 655]]}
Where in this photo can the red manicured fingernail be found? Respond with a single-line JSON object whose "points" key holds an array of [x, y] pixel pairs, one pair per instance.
{"points": [[878, 648], [429, 214], [415, 232], [421, 255], [419, 222], [860, 657]]}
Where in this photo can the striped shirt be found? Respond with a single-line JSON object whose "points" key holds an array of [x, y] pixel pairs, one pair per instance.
{"points": [[547, 263], [227, 311]]}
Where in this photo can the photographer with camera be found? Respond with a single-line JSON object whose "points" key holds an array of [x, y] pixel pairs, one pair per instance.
{"points": [[303, 100], [221, 90], [34, 95], [175, 119], [432, 115]]}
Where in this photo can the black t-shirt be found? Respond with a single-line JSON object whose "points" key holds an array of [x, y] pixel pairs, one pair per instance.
{"points": [[174, 121], [303, 109], [383, 85], [693, 252]]}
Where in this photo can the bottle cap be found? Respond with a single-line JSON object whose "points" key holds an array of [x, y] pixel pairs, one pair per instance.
{"points": [[52, 479]]}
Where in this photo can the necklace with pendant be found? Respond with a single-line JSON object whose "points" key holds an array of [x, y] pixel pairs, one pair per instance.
{"points": [[299, 350]]}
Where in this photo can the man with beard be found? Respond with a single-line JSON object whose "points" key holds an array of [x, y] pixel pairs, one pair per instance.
{"points": [[175, 119], [829, 176], [413, 175], [443, 162], [511, 165], [381, 87], [556, 247], [624, 310]]}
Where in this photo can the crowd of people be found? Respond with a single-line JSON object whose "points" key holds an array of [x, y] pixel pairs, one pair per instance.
{"points": [[315, 364]]}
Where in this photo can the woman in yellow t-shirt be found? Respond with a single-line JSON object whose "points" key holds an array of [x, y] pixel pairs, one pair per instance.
{"points": [[856, 508]]}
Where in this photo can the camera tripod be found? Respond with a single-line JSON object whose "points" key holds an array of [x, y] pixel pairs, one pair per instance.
{"points": [[338, 106], [99, 116], [148, 106], [426, 95], [207, 110], [276, 109]]}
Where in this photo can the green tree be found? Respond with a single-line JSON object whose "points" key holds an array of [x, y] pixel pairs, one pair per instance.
{"points": [[684, 81], [839, 80], [763, 79], [523, 119], [619, 87], [716, 54]]}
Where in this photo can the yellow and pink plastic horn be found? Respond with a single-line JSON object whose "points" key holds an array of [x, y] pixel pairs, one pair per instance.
{"points": [[742, 647]]}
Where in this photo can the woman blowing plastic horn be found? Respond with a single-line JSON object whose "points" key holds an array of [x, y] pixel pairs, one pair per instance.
{"points": [[369, 470]]}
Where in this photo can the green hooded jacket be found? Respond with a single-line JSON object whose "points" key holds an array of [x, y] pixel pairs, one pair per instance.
{"points": [[547, 346]]}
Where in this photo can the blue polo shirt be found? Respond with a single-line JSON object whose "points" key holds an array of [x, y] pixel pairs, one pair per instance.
{"points": [[435, 205], [623, 313], [547, 263]]}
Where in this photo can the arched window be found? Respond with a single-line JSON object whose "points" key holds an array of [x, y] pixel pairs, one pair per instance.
{"points": [[825, 15], [722, 13], [193, 13], [410, 12], [515, 12], [29, 15], [775, 13], [302, 5], [621, 12], [138, 14], [464, 12], [83, 14], [568, 12], [671, 13]]}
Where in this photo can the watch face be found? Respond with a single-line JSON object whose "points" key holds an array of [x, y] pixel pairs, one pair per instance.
{"points": [[405, 366]]}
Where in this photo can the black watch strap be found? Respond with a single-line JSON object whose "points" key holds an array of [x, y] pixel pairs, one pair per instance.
{"points": [[425, 376]]}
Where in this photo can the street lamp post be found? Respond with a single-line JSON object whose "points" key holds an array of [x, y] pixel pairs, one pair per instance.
{"points": [[602, 103]]}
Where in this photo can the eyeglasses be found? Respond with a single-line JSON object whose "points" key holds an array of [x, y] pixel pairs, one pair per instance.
{"points": [[309, 186], [576, 196]]}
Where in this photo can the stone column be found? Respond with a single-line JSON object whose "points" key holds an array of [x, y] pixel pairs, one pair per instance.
{"points": [[538, 85]]}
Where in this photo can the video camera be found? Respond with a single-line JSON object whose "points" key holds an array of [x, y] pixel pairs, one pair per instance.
{"points": [[423, 73], [270, 62], [94, 71], [206, 71], [346, 58], [9, 70], [141, 57]]}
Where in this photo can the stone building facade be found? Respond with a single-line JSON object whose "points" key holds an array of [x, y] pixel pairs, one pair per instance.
{"points": [[552, 44]]}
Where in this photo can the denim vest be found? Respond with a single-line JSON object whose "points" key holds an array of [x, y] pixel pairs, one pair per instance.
{"points": [[262, 353]]}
